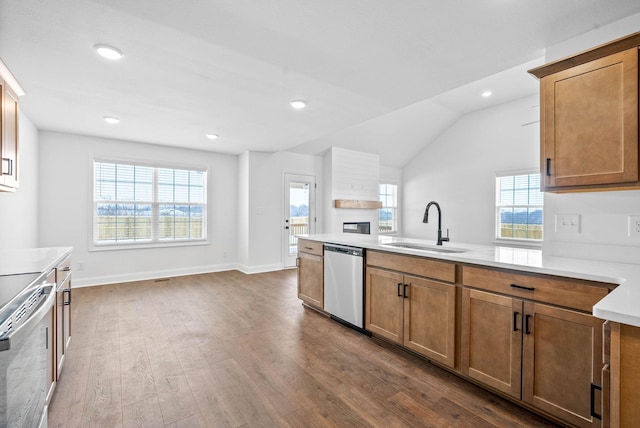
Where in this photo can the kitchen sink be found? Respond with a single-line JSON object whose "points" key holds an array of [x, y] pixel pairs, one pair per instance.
{"points": [[423, 247]]}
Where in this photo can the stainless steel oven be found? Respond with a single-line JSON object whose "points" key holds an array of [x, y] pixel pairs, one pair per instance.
{"points": [[24, 349]]}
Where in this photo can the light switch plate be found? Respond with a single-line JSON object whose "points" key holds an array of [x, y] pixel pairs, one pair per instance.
{"points": [[568, 223], [634, 226]]}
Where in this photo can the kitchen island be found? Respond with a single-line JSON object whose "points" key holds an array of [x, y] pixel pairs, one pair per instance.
{"points": [[506, 318]]}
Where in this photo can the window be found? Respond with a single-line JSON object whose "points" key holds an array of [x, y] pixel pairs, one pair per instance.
{"points": [[519, 205], [388, 214], [141, 204]]}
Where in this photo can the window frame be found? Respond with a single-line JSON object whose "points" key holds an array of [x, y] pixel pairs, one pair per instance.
{"points": [[521, 242], [396, 224], [154, 241]]}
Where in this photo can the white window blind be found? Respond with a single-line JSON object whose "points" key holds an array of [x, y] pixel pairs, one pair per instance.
{"points": [[519, 207], [138, 204]]}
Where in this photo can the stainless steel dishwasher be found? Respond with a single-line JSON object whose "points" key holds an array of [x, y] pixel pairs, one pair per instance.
{"points": [[343, 283]]}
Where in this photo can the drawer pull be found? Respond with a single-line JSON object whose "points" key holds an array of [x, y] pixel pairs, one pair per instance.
{"points": [[9, 166], [592, 411], [68, 293], [515, 320], [399, 292], [522, 287], [308, 248], [66, 269]]}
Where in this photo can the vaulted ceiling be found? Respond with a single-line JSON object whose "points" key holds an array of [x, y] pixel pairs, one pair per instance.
{"points": [[230, 67]]}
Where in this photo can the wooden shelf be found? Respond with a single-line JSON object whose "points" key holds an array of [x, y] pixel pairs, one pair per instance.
{"points": [[351, 203]]}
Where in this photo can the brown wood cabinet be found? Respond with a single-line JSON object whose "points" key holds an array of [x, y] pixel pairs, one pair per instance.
{"points": [[8, 138], [589, 119], [622, 370], [310, 264], [50, 382], [491, 345], [63, 312], [416, 312], [547, 356], [561, 362]]}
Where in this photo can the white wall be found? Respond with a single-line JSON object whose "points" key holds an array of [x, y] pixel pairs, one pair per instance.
{"points": [[243, 209], [351, 175], [458, 171], [604, 222], [19, 210], [66, 205], [265, 208]]}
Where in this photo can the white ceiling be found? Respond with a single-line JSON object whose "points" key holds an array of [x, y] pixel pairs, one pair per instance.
{"points": [[231, 66]]}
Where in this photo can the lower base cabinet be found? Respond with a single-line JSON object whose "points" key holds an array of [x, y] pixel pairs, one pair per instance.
{"points": [[63, 313], [546, 356], [310, 263], [622, 366], [415, 312], [50, 323]]}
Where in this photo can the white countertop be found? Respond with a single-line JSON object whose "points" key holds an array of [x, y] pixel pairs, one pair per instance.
{"points": [[31, 260], [621, 305]]}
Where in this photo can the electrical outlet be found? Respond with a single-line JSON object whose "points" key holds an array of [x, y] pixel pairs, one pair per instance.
{"points": [[80, 265], [634, 226], [568, 223], [225, 254]]}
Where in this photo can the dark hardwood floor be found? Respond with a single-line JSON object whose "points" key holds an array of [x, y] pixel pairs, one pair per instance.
{"points": [[229, 349]]}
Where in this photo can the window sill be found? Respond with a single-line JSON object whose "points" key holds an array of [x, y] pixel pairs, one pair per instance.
{"points": [[118, 247], [519, 243]]}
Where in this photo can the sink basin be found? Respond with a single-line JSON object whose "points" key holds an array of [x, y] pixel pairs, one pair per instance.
{"points": [[422, 247]]}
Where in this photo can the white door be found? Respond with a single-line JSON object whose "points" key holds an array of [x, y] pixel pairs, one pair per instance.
{"points": [[299, 213]]}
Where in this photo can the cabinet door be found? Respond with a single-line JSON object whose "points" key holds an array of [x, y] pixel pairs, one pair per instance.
{"points": [[562, 357], [429, 319], [384, 304], [311, 279], [63, 322], [589, 121], [492, 340], [51, 347], [66, 321], [9, 138]]}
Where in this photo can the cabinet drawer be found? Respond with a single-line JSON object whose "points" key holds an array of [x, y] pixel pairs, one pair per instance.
{"points": [[570, 293], [310, 247], [63, 270], [444, 271]]}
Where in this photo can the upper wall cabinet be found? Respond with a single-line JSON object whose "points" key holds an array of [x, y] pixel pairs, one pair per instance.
{"points": [[10, 89], [589, 119]]}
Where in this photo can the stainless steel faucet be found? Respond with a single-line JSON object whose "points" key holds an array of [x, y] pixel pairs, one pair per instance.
{"points": [[426, 220]]}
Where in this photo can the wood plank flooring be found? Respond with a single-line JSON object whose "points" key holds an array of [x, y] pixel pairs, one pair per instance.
{"points": [[233, 350]]}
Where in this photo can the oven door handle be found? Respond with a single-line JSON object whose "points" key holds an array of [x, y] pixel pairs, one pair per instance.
{"points": [[35, 317]]}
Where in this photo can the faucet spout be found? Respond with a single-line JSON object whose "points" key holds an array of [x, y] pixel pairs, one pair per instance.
{"points": [[425, 219]]}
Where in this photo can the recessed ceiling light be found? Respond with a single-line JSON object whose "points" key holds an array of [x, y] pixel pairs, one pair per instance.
{"points": [[212, 136], [486, 94], [109, 52], [112, 120], [298, 104]]}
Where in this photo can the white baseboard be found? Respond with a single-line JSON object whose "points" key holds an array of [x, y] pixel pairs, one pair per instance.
{"points": [[144, 276]]}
